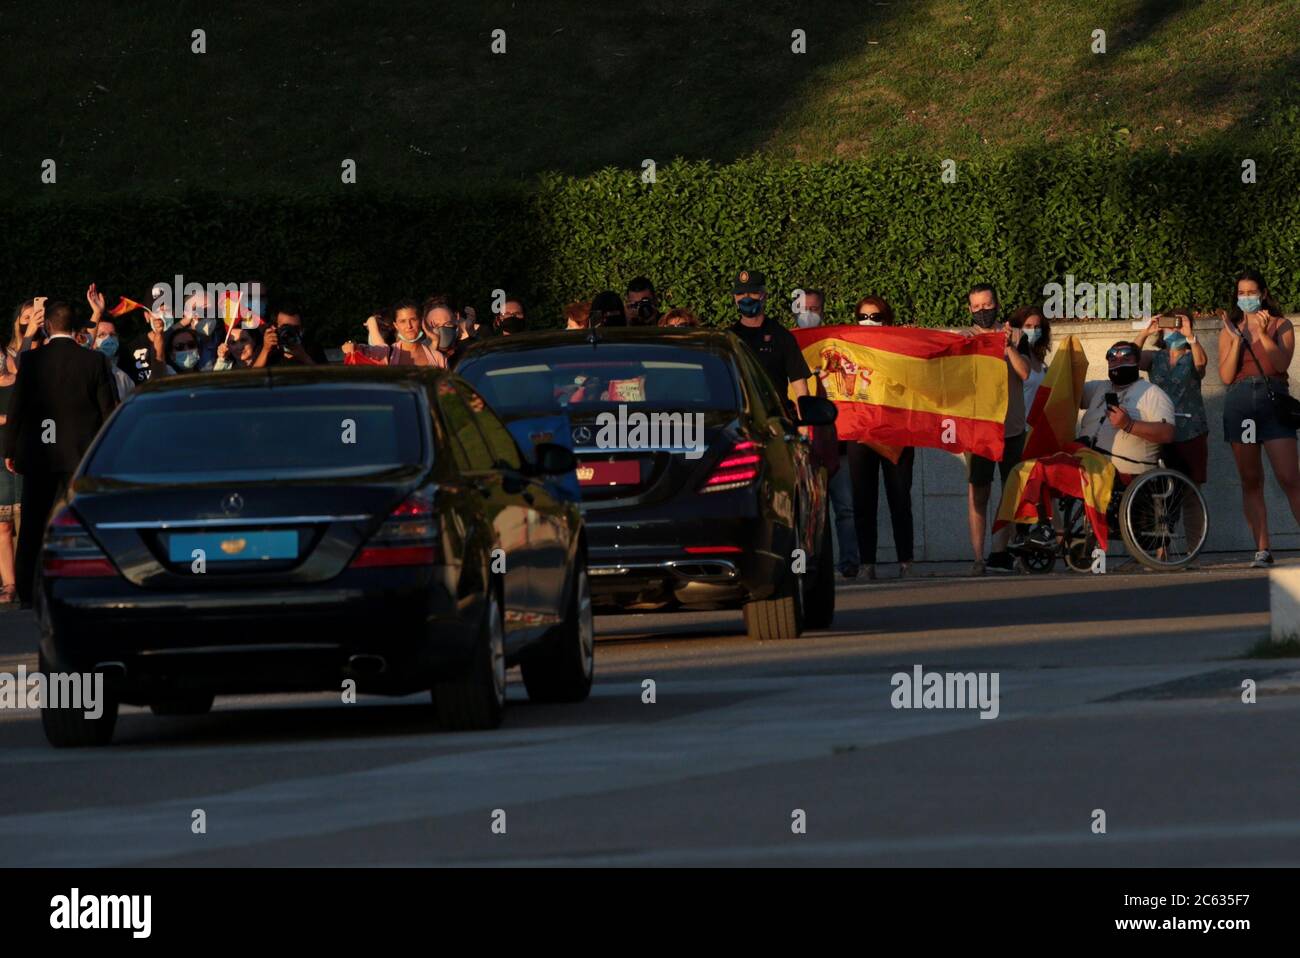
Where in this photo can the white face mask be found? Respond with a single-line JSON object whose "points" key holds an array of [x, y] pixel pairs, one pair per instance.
{"points": [[808, 320], [868, 322]]}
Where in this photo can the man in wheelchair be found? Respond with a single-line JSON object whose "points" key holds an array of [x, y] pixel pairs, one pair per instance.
{"points": [[1094, 480]]}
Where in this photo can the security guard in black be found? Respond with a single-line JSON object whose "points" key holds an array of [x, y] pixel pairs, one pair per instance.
{"points": [[774, 346]]}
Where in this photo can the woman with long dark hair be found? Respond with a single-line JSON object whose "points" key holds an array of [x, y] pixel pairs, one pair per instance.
{"points": [[1256, 344]]}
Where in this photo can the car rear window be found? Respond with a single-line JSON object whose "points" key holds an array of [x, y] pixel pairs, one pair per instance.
{"points": [[582, 377], [293, 432]]}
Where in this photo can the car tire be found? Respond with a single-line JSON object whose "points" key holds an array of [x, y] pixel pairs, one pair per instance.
{"points": [[778, 618], [476, 699], [564, 671], [70, 728], [819, 596], [186, 705]]}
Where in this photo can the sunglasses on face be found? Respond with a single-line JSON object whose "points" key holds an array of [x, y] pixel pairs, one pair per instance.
{"points": [[1122, 356], [866, 316]]}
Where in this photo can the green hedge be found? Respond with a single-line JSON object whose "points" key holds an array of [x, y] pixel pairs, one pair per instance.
{"points": [[1185, 223]]}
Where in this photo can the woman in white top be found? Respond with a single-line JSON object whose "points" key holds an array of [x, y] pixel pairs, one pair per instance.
{"points": [[1035, 345]]}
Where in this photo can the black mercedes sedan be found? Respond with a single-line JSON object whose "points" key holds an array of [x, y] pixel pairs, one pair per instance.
{"points": [[698, 490], [361, 529]]}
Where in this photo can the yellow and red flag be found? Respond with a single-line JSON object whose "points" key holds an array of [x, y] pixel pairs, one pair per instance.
{"points": [[125, 306], [1078, 471], [903, 386], [1052, 418]]}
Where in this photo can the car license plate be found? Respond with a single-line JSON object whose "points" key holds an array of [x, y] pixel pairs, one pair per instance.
{"points": [[624, 472], [234, 546]]}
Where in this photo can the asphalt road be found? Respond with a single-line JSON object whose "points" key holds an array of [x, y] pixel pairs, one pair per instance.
{"points": [[1120, 693]]}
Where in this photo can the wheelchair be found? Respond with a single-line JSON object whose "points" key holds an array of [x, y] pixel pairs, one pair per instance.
{"points": [[1160, 516]]}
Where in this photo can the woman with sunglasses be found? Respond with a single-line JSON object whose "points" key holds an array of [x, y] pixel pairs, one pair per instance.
{"points": [[1256, 344], [868, 466]]}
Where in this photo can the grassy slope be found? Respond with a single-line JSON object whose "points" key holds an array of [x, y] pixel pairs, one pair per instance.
{"points": [[411, 91]]}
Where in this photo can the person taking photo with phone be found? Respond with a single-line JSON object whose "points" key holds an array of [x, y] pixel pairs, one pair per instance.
{"points": [[1126, 417]]}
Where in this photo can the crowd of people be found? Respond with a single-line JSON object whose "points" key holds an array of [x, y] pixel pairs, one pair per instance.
{"points": [[1136, 422]]}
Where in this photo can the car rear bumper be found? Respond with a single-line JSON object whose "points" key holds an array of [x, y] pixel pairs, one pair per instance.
{"points": [[389, 630], [642, 562]]}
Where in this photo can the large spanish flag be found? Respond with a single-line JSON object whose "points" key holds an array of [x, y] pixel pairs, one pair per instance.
{"points": [[904, 386], [1053, 416]]}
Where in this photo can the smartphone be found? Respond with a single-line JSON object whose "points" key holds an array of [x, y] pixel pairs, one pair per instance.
{"points": [[1168, 322], [1112, 399]]}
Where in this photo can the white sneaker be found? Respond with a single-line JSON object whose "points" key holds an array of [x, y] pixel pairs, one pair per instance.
{"points": [[1263, 559]]}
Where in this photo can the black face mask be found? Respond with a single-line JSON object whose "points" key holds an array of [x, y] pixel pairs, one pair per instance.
{"points": [[514, 324], [1124, 375], [984, 318]]}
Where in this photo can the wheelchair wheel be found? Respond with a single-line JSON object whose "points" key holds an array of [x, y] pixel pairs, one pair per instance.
{"points": [[1162, 518], [1038, 561]]}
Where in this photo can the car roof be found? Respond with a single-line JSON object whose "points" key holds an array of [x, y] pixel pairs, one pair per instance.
{"points": [[710, 340], [270, 376]]}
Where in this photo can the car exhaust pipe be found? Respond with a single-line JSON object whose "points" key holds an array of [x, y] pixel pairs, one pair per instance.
{"points": [[698, 570], [367, 664]]}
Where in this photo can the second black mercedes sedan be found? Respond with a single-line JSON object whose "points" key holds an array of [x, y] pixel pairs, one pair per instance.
{"points": [[698, 489], [296, 529]]}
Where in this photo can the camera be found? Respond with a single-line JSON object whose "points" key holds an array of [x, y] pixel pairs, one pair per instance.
{"points": [[289, 334]]}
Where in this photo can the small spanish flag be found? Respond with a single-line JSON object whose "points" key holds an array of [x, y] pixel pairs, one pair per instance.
{"points": [[904, 386], [125, 306]]}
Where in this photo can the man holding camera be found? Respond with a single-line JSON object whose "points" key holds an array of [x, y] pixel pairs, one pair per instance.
{"points": [[1127, 418], [642, 303], [283, 343]]}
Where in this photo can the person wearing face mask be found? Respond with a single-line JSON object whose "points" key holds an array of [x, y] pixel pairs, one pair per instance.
{"points": [[1178, 369], [512, 319], [411, 345], [773, 345], [107, 343], [182, 351], [1034, 346], [445, 331], [982, 303], [679, 318], [869, 469], [1125, 416], [1256, 345]]}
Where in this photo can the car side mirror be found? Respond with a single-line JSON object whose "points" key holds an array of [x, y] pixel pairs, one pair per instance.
{"points": [[552, 459], [816, 411]]}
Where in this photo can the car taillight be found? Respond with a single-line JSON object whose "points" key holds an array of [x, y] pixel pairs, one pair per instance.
{"points": [[738, 468], [70, 552], [407, 537]]}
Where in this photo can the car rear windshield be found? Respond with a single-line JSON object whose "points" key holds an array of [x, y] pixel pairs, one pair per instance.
{"points": [[294, 432], [579, 377]]}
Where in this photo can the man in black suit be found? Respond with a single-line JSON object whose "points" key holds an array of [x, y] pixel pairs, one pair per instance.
{"points": [[61, 397]]}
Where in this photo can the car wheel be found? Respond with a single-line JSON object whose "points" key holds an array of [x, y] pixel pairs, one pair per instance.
{"points": [[70, 728], [477, 699], [780, 617], [563, 672], [819, 595], [185, 705]]}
